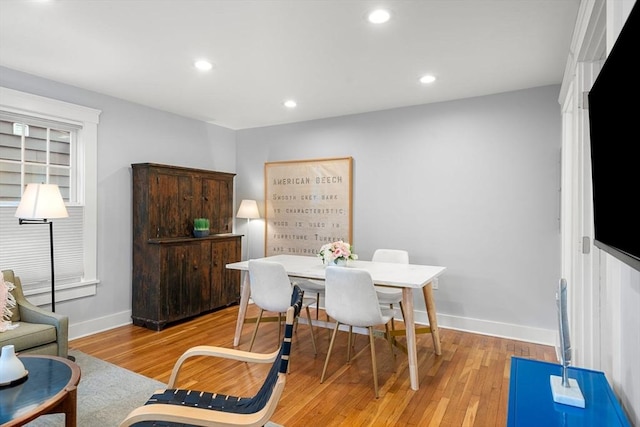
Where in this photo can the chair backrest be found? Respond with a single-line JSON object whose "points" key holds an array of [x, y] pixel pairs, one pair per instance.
{"points": [[398, 256], [350, 297], [274, 383], [260, 407], [270, 285]]}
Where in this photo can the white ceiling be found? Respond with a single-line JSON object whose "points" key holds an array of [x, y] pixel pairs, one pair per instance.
{"points": [[323, 53]]}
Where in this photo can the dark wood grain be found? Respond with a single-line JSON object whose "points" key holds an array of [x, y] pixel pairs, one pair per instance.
{"points": [[176, 276]]}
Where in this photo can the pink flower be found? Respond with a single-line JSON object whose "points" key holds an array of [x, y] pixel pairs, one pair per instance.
{"points": [[336, 251]]}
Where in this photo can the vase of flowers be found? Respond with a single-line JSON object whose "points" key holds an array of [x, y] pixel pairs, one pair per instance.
{"points": [[336, 253]]}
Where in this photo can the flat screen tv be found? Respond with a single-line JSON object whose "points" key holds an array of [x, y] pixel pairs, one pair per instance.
{"points": [[614, 124]]}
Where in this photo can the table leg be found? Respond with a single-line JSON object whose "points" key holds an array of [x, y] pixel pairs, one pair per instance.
{"points": [[407, 302], [431, 313], [70, 407], [245, 293]]}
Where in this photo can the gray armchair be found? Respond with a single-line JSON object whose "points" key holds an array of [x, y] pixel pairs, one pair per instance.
{"points": [[40, 331]]}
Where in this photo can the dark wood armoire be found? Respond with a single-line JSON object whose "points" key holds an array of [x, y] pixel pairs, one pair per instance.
{"points": [[175, 275]]}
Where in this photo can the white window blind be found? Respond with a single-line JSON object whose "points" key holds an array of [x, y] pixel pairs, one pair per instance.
{"points": [[26, 248]]}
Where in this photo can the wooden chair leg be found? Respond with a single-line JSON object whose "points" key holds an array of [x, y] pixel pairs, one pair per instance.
{"points": [[393, 323], [279, 327], [393, 340], [373, 361], [255, 330], [390, 341], [326, 361], [313, 338], [349, 345]]}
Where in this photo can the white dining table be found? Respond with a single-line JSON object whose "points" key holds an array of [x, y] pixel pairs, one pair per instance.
{"points": [[405, 276]]}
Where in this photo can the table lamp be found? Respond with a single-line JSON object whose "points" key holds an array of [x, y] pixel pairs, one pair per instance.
{"points": [[248, 210], [40, 203]]}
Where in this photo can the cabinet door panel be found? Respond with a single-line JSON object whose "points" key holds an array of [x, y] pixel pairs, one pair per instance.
{"points": [[231, 291], [172, 200], [181, 279], [217, 204], [211, 203], [225, 199], [187, 193], [194, 280], [173, 271], [205, 267], [225, 283]]}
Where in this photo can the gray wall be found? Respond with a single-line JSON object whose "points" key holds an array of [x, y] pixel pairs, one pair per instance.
{"points": [[472, 185], [128, 133]]}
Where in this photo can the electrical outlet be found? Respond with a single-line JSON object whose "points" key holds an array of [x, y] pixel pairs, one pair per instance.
{"points": [[434, 283]]}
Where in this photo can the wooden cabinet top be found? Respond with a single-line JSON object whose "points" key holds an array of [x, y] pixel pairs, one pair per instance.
{"points": [[178, 169], [173, 240]]}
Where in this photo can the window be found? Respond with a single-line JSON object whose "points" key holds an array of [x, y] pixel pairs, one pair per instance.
{"points": [[54, 142], [34, 152]]}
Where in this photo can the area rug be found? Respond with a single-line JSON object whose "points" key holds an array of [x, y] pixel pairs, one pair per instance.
{"points": [[106, 394]]}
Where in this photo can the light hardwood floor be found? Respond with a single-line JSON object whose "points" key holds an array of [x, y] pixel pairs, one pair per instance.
{"points": [[467, 385]]}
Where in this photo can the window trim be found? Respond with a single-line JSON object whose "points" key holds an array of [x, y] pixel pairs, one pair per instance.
{"points": [[27, 104]]}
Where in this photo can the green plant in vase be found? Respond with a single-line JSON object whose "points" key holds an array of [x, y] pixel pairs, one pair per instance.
{"points": [[200, 227]]}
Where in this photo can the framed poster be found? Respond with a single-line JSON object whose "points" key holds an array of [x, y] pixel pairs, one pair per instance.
{"points": [[307, 204]]}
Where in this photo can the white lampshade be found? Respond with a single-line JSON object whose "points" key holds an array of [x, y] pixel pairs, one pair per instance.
{"points": [[248, 209], [41, 201]]}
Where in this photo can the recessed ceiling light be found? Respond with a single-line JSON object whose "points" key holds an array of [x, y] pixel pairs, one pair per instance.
{"points": [[379, 16], [290, 103], [427, 78], [203, 65]]}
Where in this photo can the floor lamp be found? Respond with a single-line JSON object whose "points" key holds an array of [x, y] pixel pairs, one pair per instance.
{"points": [[40, 204], [248, 210]]}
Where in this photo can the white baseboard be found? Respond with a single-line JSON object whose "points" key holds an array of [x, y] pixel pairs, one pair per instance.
{"points": [[491, 328], [476, 326], [101, 324]]}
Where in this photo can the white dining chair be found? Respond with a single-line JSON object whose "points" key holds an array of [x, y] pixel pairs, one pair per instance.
{"points": [[311, 287], [351, 300], [387, 295], [271, 291]]}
